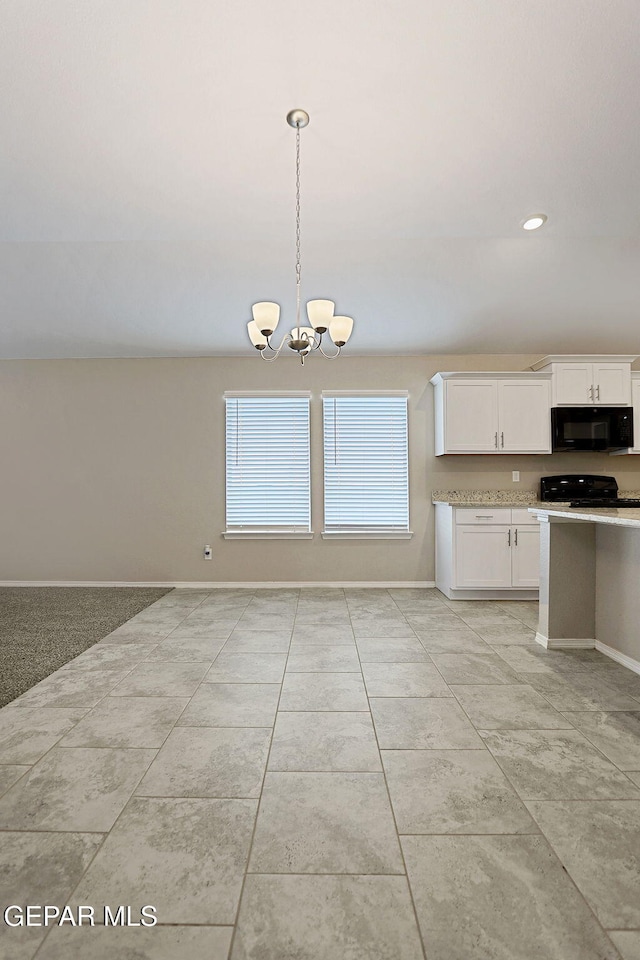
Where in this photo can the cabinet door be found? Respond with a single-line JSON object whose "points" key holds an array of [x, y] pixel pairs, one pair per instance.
{"points": [[525, 556], [482, 556], [524, 416], [612, 383], [471, 416], [573, 383]]}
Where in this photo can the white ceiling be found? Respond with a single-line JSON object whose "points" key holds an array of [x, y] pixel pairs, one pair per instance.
{"points": [[147, 173]]}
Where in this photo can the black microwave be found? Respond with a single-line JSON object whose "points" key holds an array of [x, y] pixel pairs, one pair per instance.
{"points": [[591, 428]]}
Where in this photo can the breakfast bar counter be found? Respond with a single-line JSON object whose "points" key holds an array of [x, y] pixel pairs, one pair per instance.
{"points": [[590, 580]]}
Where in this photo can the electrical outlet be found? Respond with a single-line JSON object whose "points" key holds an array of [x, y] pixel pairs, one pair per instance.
{"points": [[208, 552], [515, 476]]}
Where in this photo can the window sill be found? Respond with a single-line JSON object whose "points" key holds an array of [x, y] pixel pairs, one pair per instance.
{"points": [[267, 535], [367, 534]]}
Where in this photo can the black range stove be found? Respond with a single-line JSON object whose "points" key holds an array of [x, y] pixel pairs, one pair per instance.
{"points": [[583, 490]]}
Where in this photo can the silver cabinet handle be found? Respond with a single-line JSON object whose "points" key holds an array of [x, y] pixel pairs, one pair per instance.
{"points": [[591, 392], [516, 537], [496, 439], [484, 516], [509, 538], [502, 439], [598, 392]]}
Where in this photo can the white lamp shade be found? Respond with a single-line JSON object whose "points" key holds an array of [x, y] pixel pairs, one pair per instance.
{"points": [[257, 338], [340, 330], [266, 316], [320, 313]]}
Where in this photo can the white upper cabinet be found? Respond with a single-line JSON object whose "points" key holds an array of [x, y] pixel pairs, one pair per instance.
{"points": [[592, 383], [612, 383], [573, 383], [471, 416], [524, 415], [589, 381], [492, 413]]}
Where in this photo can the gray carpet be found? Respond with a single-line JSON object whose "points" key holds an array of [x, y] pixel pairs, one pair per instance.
{"points": [[42, 628]]}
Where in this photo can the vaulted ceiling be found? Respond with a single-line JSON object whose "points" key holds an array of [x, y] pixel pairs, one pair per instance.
{"points": [[147, 173]]}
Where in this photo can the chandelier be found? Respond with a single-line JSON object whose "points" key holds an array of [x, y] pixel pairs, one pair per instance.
{"points": [[301, 339]]}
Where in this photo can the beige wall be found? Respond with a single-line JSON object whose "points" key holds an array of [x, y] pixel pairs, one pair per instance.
{"points": [[114, 469]]}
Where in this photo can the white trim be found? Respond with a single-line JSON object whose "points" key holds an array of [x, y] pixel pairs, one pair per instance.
{"points": [[622, 658], [238, 394], [565, 643], [328, 394], [347, 584], [443, 375], [581, 358], [367, 534], [229, 584], [453, 593], [267, 535]]}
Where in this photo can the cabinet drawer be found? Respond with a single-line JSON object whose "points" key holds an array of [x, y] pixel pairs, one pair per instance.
{"points": [[483, 515], [520, 517]]}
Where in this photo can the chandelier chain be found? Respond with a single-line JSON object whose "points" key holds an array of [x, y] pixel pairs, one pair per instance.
{"points": [[298, 268]]}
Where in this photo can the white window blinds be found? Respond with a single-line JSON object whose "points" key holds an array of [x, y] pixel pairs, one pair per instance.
{"points": [[366, 486], [267, 457]]}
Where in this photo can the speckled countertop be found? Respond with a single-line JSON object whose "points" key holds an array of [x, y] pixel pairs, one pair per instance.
{"points": [[623, 517], [486, 498], [502, 498]]}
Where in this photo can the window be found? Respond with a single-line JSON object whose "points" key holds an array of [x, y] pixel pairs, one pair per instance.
{"points": [[267, 458], [366, 487]]}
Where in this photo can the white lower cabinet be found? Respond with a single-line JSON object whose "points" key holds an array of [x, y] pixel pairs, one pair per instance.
{"points": [[487, 553], [525, 556], [482, 557]]}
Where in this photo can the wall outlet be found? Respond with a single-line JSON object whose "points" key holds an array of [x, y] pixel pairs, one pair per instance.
{"points": [[515, 476], [207, 552]]}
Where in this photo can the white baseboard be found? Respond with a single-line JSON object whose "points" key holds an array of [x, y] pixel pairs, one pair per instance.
{"points": [[586, 644], [228, 585], [346, 584], [565, 643], [455, 594], [621, 658]]}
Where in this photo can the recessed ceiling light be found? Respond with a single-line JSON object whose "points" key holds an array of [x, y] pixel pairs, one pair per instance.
{"points": [[532, 223]]}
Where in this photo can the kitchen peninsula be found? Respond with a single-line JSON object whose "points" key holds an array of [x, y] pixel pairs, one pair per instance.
{"points": [[590, 580]]}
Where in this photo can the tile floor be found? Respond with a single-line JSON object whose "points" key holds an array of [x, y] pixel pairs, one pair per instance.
{"points": [[327, 775]]}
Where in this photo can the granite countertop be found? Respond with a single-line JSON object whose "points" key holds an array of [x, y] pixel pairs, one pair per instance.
{"points": [[506, 498], [619, 516], [485, 498]]}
